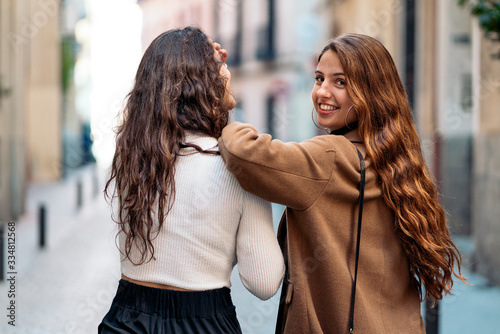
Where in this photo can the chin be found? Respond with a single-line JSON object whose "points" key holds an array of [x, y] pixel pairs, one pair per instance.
{"points": [[324, 124], [229, 103], [228, 106]]}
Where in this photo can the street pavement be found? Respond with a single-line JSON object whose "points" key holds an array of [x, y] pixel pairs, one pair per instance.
{"points": [[67, 286]]}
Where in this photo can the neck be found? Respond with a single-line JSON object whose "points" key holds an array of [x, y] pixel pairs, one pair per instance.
{"points": [[345, 129], [354, 136], [349, 131]]}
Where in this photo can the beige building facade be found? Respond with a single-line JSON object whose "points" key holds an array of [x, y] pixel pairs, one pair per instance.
{"points": [[162, 15], [486, 156], [44, 96], [13, 82], [33, 49], [15, 39], [30, 99]]}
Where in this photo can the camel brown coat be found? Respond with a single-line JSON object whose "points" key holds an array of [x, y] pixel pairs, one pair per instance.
{"points": [[318, 180]]}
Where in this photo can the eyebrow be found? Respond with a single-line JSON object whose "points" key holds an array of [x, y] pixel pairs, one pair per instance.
{"points": [[333, 75]]}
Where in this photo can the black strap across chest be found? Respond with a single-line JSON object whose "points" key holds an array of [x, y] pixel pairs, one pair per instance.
{"points": [[282, 311], [360, 216], [343, 131]]}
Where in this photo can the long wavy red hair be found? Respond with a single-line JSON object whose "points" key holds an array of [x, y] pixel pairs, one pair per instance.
{"points": [[178, 87], [392, 145]]}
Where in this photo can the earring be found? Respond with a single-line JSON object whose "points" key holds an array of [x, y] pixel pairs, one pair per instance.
{"points": [[317, 125], [347, 113]]}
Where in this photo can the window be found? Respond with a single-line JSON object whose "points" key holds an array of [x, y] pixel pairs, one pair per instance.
{"points": [[265, 34], [229, 28], [409, 51]]}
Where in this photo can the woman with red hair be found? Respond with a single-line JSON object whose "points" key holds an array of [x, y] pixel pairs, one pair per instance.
{"points": [[364, 235]]}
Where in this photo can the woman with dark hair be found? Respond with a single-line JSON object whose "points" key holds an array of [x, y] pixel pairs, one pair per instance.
{"points": [[364, 236], [183, 220]]}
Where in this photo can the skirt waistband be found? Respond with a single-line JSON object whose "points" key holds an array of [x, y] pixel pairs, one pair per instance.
{"points": [[174, 304]]}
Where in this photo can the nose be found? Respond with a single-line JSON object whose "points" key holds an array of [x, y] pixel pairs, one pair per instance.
{"points": [[324, 92]]}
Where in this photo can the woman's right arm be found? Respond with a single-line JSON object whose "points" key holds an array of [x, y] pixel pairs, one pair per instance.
{"points": [[292, 174]]}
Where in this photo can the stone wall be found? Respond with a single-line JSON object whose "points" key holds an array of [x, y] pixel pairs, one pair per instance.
{"points": [[456, 181], [486, 205]]}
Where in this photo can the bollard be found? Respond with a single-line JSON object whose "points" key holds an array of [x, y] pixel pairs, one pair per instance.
{"points": [[431, 318], [2, 254], [79, 195], [95, 178], [42, 225]]}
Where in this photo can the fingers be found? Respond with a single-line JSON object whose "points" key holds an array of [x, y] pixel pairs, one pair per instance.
{"points": [[222, 52]]}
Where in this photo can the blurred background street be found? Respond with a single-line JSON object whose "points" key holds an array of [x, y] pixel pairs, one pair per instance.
{"points": [[67, 65]]}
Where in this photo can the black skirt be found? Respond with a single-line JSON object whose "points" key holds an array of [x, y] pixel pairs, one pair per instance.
{"points": [[141, 309]]}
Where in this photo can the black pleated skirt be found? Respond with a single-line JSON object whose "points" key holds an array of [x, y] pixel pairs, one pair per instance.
{"points": [[139, 309]]}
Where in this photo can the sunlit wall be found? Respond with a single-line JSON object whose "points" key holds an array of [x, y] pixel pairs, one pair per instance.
{"points": [[115, 52]]}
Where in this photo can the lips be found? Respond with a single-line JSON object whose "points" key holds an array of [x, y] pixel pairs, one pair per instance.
{"points": [[327, 108]]}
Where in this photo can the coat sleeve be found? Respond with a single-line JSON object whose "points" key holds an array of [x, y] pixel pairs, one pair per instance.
{"points": [[292, 174], [260, 261]]}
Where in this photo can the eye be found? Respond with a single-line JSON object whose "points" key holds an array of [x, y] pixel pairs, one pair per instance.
{"points": [[319, 79], [340, 82]]}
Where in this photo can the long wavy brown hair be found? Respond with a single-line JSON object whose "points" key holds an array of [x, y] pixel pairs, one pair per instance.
{"points": [[392, 145], [178, 87]]}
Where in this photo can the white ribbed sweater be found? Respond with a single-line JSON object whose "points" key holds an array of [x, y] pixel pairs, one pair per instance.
{"points": [[213, 225]]}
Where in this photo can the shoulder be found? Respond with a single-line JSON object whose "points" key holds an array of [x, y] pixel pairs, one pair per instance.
{"points": [[345, 153], [346, 166], [204, 169], [331, 143]]}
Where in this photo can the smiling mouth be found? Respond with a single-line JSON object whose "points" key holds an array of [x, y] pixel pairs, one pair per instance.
{"points": [[327, 107]]}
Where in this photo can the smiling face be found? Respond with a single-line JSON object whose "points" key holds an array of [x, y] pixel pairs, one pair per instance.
{"points": [[329, 93]]}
